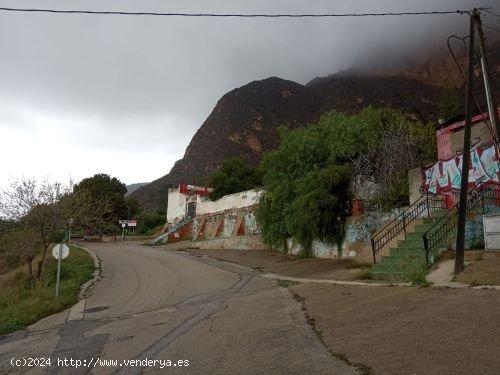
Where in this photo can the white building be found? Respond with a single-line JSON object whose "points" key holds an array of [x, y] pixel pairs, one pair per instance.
{"points": [[189, 200]]}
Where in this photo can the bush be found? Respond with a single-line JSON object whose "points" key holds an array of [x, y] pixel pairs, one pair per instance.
{"points": [[234, 176], [148, 223], [307, 180]]}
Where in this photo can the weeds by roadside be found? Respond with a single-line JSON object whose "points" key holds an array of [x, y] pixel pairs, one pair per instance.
{"points": [[286, 283], [22, 304]]}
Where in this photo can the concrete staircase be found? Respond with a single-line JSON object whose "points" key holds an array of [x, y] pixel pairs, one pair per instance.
{"points": [[407, 259], [168, 230]]}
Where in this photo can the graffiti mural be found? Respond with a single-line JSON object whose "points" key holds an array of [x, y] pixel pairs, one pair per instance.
{"points": [[445, 174]]}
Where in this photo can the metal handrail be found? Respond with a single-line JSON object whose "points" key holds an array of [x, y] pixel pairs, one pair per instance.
{"points": [[397, 226], [446, 224]]}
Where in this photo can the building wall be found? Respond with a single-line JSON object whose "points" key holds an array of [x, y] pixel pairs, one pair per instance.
{"points": [[415, 181], [238, 200], [450, 139], [176, 204]]}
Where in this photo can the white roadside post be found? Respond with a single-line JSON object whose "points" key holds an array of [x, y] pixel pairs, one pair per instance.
{"points": [[60, 251]]}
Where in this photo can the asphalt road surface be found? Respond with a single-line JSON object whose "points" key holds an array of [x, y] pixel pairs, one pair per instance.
{"points": [[203, 315]]}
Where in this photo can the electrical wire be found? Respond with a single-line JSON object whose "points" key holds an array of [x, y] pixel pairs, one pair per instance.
{"points": [[491, 27], [239, 15], [492, 13], [476, 101]]}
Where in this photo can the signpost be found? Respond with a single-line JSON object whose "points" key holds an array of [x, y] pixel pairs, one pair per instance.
{"points": [[127, 223], [123, 224], [60, 251]]}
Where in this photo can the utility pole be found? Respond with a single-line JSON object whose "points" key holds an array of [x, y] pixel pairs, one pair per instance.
{"points": [[485, 67], [462, 206]]}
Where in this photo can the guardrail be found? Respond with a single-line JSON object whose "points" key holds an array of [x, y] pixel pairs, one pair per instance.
{"points": [[423, 207]]}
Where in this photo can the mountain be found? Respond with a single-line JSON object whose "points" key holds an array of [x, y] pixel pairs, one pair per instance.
{"points": [[244, 123], [133, 187], [245, 120]]}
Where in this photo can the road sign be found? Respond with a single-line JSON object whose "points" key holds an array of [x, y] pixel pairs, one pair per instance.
{"points": [[124, 225], [132, 223], [122, 222], [60, 251], [64, 251]]}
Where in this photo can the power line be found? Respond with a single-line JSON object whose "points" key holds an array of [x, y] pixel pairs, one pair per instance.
{"points": [[491, 27], [238, 15], [474, 97], [492, 13]]}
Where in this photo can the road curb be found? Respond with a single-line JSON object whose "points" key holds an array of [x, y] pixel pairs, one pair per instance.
{"points": [[76, 312]]}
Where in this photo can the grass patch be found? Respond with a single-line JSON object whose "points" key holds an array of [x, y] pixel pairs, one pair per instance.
{"points": [[22, 305], [286, 283], [364, 274], [418, 277]]}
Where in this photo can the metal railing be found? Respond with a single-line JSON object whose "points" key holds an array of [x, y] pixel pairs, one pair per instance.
{"points": [[423, 207], [442, 229]]}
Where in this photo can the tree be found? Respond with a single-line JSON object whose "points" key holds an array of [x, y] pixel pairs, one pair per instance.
{"points": [[102, 189], [234, 176], [398, 145], [306, 188], [42, 212], [449, 101], [24, 244], [308, 180]]}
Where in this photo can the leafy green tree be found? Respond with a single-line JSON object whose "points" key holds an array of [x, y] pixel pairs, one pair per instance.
{"points": [[307, 181], [103, 188], [234, 176]]}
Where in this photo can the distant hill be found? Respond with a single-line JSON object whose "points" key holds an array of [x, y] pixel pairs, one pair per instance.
{"points": [[244, 121], [133, 187]]}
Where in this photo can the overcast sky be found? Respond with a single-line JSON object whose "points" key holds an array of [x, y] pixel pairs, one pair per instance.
{"points": [[123, 95]]}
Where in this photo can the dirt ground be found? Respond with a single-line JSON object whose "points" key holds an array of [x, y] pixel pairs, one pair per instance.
{"points": [[408, 330], [392, 330], [482, 272], [269, 261]]}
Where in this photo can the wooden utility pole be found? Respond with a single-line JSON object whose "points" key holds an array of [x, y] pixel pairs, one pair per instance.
{"points": [[485, 67], [462, 206]]}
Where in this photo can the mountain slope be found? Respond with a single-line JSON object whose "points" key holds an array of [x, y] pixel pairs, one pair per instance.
{"points": [[244, 122]]}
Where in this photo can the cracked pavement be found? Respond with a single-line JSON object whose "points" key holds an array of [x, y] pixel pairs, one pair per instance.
{"points": [[157, 304]]}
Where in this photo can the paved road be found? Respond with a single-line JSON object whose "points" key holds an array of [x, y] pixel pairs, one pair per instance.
{"points": [[159, 305]]}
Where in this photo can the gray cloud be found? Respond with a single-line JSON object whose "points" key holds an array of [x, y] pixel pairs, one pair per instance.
{"points": [[145, 84]]}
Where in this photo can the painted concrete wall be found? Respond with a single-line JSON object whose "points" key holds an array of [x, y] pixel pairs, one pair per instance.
{"points": [[223, 224], [176, 204], [356, 243], [227, 202], [474, 229], [246, 242], [319, 249]]}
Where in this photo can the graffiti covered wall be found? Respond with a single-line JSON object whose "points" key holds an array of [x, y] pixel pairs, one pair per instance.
{"points": [[445, 175]]}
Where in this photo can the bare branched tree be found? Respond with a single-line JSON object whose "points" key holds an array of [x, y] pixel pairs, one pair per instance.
{"points": [[400, 146], [44, 209]]}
